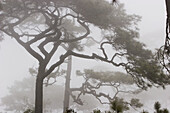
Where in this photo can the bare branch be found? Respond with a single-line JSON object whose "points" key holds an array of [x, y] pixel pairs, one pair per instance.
{"points": [[25, 45]]}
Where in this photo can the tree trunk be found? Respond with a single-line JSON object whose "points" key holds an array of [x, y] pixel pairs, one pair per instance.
{"points": [[168, 11], [67, 85], [39, 94]]}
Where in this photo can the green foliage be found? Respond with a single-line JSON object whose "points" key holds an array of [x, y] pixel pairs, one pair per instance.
{"points": [[126, 40], [96, 111], [144, 111], [158, 109], [135, 103], [107, 76], [97, 12], [102, 14], [29, 111], [165, 110], [157, 106], [70, 111], [119, 105], [71, 30], [94, 9], [70, 26], [142, 65], [150, 70]]}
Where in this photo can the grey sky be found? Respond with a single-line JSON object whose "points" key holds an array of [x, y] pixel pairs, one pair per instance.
{"points": [[152, 26]]}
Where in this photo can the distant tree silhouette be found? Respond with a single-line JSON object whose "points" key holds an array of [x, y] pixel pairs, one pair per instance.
{"points": [[21, 97]]}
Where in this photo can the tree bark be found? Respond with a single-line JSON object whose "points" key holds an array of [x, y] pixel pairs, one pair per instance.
{"points": [[39, 94], [168, 11], [67, 85]]}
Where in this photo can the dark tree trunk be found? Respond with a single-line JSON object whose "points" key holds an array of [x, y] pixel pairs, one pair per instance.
{"points": [[39, 94], [67, 85], [168, 11], [168, 6]]}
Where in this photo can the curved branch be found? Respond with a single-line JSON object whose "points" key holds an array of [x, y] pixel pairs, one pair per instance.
{"points": [[95, 56], [25, 45], [103, 50], [62, 58]]}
